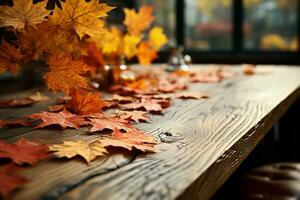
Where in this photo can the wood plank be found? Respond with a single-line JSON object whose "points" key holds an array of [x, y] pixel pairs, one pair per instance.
{"points": [[203, 141]]}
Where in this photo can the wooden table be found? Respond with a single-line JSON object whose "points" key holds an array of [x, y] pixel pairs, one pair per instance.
{"points": [[203, 142]]}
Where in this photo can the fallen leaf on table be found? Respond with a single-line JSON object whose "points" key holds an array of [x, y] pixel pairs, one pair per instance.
{"points": [[248, 69], [64, 119], [204, 78], [100, 122], [63, 99], [10, 181], [20, 102], [37, 97], [134, 115], [85, 103], [56, 108], [192, 95], [13, 122], [148, 105], [121, 99], [23, 13], [24, 151], [130, 140], [71, 149]]}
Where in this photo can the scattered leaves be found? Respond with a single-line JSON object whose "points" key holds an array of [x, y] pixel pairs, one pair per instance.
{"points": [[148, 105], [10, 181], [135, 115], [130, 140], [24, 151], [64, 119], [71, 149]]}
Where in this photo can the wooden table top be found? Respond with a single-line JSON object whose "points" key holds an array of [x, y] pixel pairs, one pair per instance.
{"points": [[203, 142]]}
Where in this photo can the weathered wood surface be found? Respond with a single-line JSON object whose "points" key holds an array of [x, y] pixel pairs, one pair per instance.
{"points": [[203, 142]]}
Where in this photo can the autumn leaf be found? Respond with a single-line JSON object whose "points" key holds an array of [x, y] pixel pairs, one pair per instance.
{"points": [[130, 45], [85, 103], [134, 115], [65, 74], [111, 41], [148, 105], [10, 58], [86, 18], [71, 149], [23, 13], [56, 108], [64, 119], [248, 69], [130, 140], [121, 99], [94, 55], [145, 53], [157, 38], [137, 22], [20, 102], [24, 151], [192, 95], [100, 122], [10, 181], [13, 122], [38, 97]]}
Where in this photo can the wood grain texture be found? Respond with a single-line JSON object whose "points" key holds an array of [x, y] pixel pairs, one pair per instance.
{"points": [[203, 142]]}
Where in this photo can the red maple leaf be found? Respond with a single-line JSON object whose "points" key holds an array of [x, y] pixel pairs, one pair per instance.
{"points": [[10, 180], [102, 121], [131, 139], [24, 151], [64, 119]]}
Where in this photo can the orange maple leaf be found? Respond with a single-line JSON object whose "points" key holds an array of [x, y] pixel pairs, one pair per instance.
{"points": [[129, 140], [65, 74], [85, 103], [134, 115], [10, 180], [10, 58], [145, 53], [137, 22], [64, 119], [24, 151]]}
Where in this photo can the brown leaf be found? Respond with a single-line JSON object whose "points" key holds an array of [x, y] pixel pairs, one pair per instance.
{"points": [[56, 108], [71, 149], [24, 151], [10, 181], [130, 140], [101, 122], [13, 122], [37, 97], [148, 105], [64, 119], [248, 69], [192, 95], [21, 102], [135, 115], [121, 99]]}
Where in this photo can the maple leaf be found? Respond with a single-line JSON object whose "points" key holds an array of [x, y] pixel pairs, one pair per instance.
{"points": [[135, 115], [13, 122], [85, 103], [137, 22], [192, 95], [56, 108], [71, 149], [65, 74], [94, 55], [10, 180], [24, 151], [64, 119], [121, 99], [21, 102], [37, 97], [111, 41], [157, 38], [145, 53], [100, 122], [86, 18], [130, 45], [23, 13], [10, 58], [148, 105], [129, 140]]}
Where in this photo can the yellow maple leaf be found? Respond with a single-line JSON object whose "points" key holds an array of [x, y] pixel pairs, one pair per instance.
{"points": [[10, 58], [65, 74], [145, 53], [111, 41], [157, 38], [86, 18], [130, 45], [71, 149], [23, 13], [137, 22]]}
